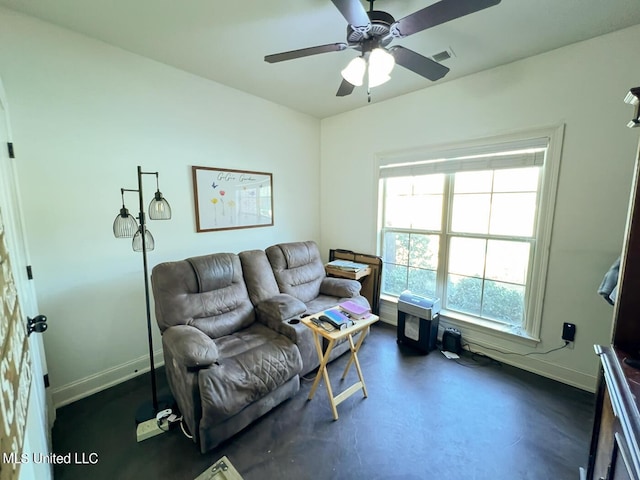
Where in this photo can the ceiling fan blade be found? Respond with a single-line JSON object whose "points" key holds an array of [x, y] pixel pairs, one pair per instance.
{"points": [[305, 52], [438, 13], [345, 89], [354, 13], [418, 64]]}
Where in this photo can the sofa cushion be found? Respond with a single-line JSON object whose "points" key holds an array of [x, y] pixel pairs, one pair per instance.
{"points": [[340, 287], [298, 269], [252, 363], [205, 292], [213, 272], [299, 254], [258, 276], [278, 308]]}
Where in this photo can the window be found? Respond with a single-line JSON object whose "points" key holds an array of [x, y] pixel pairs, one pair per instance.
{"points": [[465, 226]]}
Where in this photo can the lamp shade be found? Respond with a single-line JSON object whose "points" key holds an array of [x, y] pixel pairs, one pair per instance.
{"points": [[381, 64], [148, 239], [381, 60], [354, 71], [377, 80], [159, 208], [124, 225]]}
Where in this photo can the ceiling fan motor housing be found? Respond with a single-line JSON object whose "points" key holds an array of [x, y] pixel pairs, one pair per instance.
{"points": [[380, 27]]}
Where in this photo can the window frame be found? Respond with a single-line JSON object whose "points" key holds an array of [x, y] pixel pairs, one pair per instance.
{"points": [[547, 191]]}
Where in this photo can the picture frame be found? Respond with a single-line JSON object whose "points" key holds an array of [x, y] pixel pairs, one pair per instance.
{"points": [[227, 199]]}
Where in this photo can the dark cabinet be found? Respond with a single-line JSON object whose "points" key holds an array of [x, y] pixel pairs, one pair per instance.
{"points": [[614, 445], [615, 442]]}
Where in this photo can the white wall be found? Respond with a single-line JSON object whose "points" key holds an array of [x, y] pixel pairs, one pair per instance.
{"points": [[581, 86], [84, 115]]}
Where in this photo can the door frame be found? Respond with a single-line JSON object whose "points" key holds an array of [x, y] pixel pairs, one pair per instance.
{"points": [[40, 412]]}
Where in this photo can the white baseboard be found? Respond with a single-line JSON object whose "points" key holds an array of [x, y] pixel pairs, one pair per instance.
{"points": [[84, 387], [546, 369], [540, 367]]}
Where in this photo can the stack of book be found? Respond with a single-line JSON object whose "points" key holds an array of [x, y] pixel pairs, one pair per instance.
{"points": [[337, 318], [347, 266], [355, 310]]}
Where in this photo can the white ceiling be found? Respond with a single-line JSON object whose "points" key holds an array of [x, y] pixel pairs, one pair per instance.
{"points": [[226, 41]]}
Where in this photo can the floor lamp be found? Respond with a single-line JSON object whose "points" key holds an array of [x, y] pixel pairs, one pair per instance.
{"points": [[125, 226]]}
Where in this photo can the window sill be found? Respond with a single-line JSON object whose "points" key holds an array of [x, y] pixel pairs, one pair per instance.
{"points": [[467, 323], [494, 329]]}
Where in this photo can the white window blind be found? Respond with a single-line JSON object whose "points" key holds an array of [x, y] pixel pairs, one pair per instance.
{"points": [[506, 155]]}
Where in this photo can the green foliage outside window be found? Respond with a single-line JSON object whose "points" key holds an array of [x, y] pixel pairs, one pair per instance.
{"points": [[411, 261], [502, 302]]}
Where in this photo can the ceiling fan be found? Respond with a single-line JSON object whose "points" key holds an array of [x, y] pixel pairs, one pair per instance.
{"points": [[370, 33]]}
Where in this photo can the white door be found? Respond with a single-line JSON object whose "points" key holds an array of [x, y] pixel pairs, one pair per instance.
{"points": [[25, 429]]}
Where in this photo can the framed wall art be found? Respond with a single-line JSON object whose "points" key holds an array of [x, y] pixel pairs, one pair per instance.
{"points": [[227, 199]]}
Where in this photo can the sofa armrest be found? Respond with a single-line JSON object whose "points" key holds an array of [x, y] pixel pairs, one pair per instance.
{"points": [[190, 346], [340, 287], [278, 308]]}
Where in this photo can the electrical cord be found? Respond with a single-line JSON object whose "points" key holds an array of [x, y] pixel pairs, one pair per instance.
{"points": [[163, 417], [166, 418], [480, 360], [566, 344], [487, 360], [160, 423], [183, 430]]}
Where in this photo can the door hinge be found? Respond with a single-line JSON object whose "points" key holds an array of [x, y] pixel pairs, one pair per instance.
{"points": [[29, 272], [46, 380], [10, 150]]}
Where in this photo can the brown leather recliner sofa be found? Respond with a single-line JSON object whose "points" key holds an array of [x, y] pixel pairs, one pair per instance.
{"points": [[233, 344]]}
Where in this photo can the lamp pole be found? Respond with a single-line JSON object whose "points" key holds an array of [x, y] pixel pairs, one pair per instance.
{"points": [[124, 226], [145, 264]]}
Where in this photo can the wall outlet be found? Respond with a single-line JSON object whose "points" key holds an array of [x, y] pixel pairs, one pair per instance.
{"points": [[569, 332], [148, 429]]}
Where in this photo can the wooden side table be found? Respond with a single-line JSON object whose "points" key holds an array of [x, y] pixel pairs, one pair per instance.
{"points": [[371, 282], [333, 337]]}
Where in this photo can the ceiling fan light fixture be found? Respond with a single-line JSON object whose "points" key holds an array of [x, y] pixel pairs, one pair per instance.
{"points": [[381, 61], [381, 64], [370, 32], [377, 80], [354, 71]]}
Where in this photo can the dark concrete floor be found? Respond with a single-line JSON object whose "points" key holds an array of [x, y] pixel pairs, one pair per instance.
{"points": [[426, 417]]}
